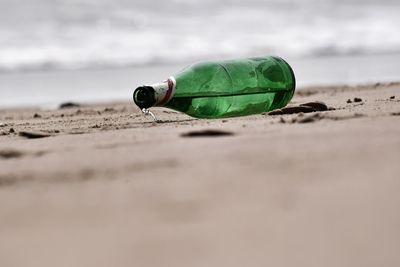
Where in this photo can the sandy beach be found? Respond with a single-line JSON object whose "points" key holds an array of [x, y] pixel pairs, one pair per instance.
{"points": [[103, 185]]}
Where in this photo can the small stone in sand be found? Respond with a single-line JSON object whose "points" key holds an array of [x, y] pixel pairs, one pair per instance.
{"points": [[109, 110], [69, 105], [12, 130], [392, 97], [207, 133], [292, 110], [349, 101], [316, 105], [36, 115], [302, 108], [7, 154], [33, 135], [357, 99]]}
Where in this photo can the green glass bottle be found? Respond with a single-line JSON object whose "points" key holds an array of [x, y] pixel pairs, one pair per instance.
{"points": [[223, 89]]}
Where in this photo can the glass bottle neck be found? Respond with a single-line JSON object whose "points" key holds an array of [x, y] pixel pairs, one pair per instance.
{"points": [[163, 92]]}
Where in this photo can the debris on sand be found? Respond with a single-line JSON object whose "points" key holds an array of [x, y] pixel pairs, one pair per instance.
{"points": [[69, 105], [302, 108], [316, 105], [33, 135], [8, 154], [291, 110], [207, 133]]}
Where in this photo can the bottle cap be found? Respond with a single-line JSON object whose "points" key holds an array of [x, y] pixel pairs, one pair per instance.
{"points": [[144, 96]]}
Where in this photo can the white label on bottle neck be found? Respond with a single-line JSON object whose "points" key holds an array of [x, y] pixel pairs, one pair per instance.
{"points": [[164, 91]]}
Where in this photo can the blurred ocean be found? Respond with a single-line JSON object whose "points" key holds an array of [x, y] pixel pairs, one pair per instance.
{"points": [[76, 34], [328, 41]]}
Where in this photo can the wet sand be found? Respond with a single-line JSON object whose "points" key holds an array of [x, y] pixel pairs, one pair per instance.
{"points": [[103, 185]]}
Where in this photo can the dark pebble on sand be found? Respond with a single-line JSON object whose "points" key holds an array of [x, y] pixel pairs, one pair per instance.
{"points": [[317, 105], [11, 130], [207, 133], [292, 110], [36, 115], [8, 154], [357, 99], [349, 101], [109, 110], [33, 135], [392, 97], [302, 108], [69, 105]]}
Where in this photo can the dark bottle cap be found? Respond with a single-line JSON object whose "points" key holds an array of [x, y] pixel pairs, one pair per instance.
{"points": [[144, 97]]}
